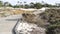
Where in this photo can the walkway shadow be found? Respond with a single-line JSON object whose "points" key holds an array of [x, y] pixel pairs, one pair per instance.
{"points": [[13, 30], [11, 19]]}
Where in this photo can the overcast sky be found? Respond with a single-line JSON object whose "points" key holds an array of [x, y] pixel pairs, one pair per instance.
{"points": [[13, 2]]}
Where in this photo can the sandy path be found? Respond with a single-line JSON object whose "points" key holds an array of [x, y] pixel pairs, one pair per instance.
{"points": [[7, 24]]}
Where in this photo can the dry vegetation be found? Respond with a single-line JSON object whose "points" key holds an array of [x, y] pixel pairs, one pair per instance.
{"points": [[36, 19], [50, 18], [53, 17], [7, 12]]}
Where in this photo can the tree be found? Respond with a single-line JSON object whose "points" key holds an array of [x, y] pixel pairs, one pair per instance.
{"points": [[15, 6], [26, 6], [31, 5], [7, 4], [1, 3], [24, 2], [57, 4], [38, 5], [48, 5]]}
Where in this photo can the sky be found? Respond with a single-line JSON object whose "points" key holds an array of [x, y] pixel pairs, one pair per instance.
{"points": [[14, 2]]}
